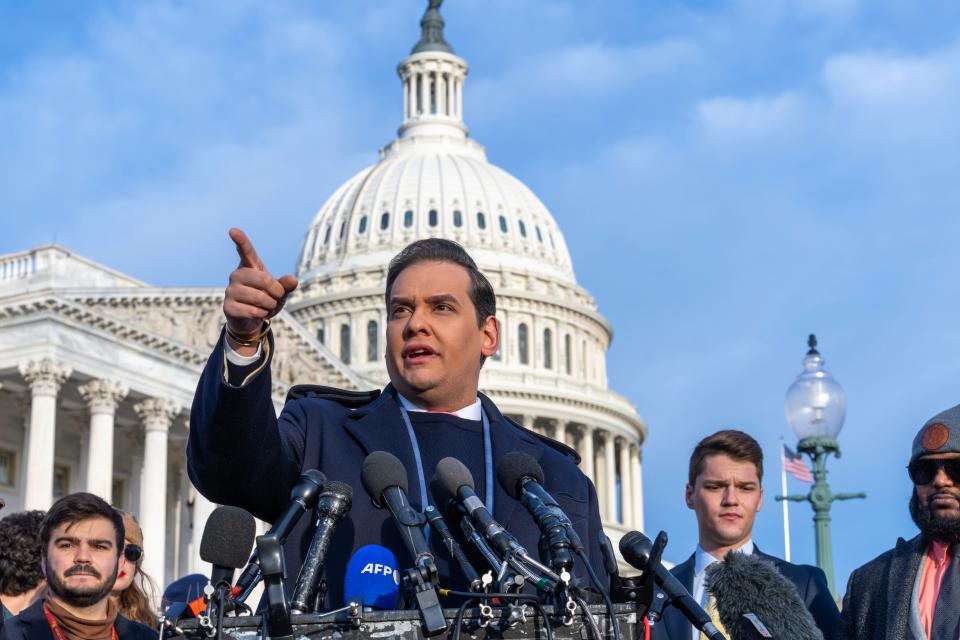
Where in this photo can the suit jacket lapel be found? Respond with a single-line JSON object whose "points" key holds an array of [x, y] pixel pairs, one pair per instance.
{"points": [[505, 438], [379, 426], [35, 623], [903, 572], [678, 627]]}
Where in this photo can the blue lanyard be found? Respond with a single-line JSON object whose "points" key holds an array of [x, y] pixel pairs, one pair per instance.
{"points": [[421, 477]]}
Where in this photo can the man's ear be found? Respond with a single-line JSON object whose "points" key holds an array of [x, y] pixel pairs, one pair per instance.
{"points": [[760, 501], [688, 496], [490, 332]]}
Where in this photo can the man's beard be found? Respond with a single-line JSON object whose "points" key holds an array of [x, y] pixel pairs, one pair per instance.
{"points": [[946, 530], [80, 596]]}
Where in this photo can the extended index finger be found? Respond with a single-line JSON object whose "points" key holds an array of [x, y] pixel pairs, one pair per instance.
{"points": [[248, 255]]}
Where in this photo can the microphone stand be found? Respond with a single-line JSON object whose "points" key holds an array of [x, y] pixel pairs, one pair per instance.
{"points": [[277, 612]]}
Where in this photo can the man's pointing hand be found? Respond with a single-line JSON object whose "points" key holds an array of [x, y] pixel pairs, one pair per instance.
{"points": [[252, 295]]}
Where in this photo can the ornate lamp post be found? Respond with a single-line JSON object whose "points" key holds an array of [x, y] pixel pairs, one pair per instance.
{"points": [[816, 406]]}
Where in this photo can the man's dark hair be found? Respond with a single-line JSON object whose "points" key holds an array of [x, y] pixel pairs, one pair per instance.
{"points": [[730, 442], [441, 250], [76, 507], [20, 569]]}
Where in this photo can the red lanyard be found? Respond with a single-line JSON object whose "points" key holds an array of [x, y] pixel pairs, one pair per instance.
{"points": [[58, 632]]}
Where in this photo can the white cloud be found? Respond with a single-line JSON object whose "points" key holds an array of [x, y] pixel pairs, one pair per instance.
{"points": [[735, 119]]}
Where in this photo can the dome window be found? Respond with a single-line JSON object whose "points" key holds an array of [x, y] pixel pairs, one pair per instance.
{"points": [[408, 218], [343, 229], [457, 218], [523, 228], [384, 220], [481, 220], [432, 217], [553, 245], [547, 349], [362, 226], [567, 354], [326, 236], [503, 224], [539, 235], [321, 334], [373, 332], [345, 343], [522, 346]]}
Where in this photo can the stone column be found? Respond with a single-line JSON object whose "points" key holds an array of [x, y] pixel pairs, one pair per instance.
{"points": [[422, 92], [600, 469], [610, 475], [156, 414], [626, 483], [637, 482], [102, 398], [586, 452], [45, 378], [200, 510], [441, 93], [528, 422]]}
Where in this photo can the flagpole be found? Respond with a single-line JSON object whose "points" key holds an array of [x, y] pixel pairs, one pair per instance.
{"points": [[786, 515]]}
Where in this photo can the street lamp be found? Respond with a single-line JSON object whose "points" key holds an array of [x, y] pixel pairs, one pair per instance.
{"points": [[816, 407]]}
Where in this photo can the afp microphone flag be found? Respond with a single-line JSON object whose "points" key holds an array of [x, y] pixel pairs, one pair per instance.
{"points": [[373, 578]]}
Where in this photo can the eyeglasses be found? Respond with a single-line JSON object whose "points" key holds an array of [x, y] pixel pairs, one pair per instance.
{"points": [[132, 552], [923, 471]]}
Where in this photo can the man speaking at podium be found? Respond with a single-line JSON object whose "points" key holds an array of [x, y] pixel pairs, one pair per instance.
{"points": [[441, 326]]}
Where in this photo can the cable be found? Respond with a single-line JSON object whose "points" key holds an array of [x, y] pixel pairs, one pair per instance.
{"points": [[547, 627], [589, 616], [606, 596], [220, 612]]}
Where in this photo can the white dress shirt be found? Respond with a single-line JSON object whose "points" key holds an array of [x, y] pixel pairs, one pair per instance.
{"points": [[702, 560]]}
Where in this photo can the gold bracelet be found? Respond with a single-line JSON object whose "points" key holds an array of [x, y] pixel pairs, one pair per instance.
{"points": [[250, 342]]}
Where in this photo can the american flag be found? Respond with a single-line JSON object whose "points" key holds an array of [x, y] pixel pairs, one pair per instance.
{"points": [[795, 466]]}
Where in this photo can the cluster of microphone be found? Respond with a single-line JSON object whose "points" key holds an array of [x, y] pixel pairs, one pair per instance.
{"points": [[513, 576]]}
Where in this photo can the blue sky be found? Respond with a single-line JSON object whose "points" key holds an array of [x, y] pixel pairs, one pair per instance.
{"points": [[730, 176]]}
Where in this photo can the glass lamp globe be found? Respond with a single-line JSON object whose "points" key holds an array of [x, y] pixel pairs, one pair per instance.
{"points": [[816, 404]]}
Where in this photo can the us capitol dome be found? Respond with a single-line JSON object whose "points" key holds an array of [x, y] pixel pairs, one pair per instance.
{"points": [[433, 180]]}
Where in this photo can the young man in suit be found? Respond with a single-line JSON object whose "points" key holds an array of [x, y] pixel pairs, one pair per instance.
{"points": [[724, 491], [81, 539], [913, 590]]}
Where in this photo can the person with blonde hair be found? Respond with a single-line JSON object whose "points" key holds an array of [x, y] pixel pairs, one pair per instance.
{"points": [[134, 589]]}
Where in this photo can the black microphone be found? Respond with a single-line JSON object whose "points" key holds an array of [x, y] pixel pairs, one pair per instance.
{"points": [[303, 497], [754, 598], [457, 481], [385, 479], [226, 543], [435, 518], [521, 477], [635, 549], [335, 501]]}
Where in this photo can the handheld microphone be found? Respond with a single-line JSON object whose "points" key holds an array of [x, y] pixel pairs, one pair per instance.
{"points": [[303, 497], [754, 598], [457, 481], [373, 578], [635, 548], [453, 547], [334, 503], [226, 543], [385, 479], [521, 477]]}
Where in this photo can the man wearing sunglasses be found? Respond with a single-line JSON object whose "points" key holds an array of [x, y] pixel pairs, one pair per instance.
{"points": [[913, 590]]}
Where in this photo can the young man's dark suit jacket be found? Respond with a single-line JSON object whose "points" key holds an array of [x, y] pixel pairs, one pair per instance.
{"points": [[240, 454], [877, 603], [31, 624], [810, 581]]}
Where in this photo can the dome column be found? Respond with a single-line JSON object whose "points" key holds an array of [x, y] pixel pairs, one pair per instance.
{"points": [[626, 483]]}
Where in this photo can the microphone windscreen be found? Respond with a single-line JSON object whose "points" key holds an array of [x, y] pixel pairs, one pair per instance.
{"points": [[380, 471], [452, 474], [373, 578], [747, 583], [341, 489], [228, 537], [514, 467]]}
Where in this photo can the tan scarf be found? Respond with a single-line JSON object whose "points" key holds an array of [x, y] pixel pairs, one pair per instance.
{"points": [[75, 628]]}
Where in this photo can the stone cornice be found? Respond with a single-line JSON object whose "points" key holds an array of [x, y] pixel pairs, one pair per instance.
{"points": [[134, 315]]}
